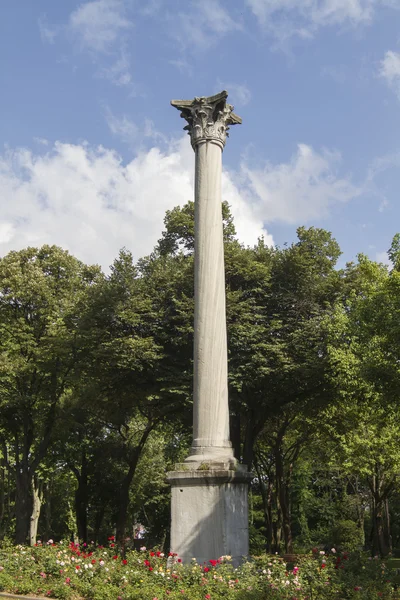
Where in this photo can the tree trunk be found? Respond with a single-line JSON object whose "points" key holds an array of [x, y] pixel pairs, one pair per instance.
{"points": [[379, 545], [98, 522], [23, 505], [82, 498], [388, 535], [37, 497], [266, 501], [284, 500], [126, 484], [47, 512], [2, 495], [235, 431]]}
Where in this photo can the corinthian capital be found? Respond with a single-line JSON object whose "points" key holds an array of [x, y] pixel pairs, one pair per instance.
{"points": [[208, 118]]}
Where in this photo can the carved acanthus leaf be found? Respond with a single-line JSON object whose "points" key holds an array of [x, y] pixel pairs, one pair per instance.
{"points": [[208, 118]]}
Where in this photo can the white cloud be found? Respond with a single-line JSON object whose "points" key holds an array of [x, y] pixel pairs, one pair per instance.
{"points": [[239, 93], [130, 133], [390, 70], [298, 191], [302, 18], [100, 28], [338, 73], [87, 201], [203, 24], [98, 24], [122, 127], [382, 257], [119, 71], [48, 32]]}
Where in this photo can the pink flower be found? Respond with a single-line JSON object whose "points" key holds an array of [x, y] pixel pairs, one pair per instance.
{"points": [[207, 596], [68, 580]]}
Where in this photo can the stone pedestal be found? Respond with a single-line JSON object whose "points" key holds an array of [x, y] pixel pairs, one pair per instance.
{"points": [[209, 514]]}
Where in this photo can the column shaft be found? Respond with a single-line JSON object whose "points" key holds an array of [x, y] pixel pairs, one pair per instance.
{"points": [[210, 399]]}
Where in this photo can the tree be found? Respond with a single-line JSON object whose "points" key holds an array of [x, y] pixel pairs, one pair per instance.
{"points": [[364, 421], [43, 299]]}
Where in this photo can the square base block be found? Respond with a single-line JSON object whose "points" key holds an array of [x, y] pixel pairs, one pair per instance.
{"points": [[209, 514]]}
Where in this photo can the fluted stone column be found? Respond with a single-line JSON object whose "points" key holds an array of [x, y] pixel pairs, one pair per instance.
{"points": [[209, 513]]}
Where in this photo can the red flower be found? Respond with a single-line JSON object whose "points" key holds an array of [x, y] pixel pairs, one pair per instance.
{"points": [[323, 566], [206, 569], [147, 563], [158, 554], [94, 561], [357, 588], [150, 568], [213, 562], [179, 560], [115, 557], [111, 538], [112, 545], [77, 567], [124, 562], [152, 554], [207, 596]]}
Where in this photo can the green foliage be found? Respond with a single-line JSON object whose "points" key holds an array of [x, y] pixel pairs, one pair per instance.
{"points": [[347, 536]]}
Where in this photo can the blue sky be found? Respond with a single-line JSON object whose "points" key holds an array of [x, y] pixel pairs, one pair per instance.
{"points": [[92, 154]]}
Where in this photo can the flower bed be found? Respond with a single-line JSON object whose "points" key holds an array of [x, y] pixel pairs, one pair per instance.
{"points": [[73, 572]]}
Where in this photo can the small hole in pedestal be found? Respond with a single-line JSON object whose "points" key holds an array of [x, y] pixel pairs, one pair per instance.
{"points": [[181, 490]]}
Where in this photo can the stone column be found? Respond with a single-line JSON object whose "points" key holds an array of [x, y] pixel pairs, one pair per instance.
{"points": [[209, 490], [208, 123]]}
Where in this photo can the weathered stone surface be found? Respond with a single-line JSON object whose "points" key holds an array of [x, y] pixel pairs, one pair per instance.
{"points": [[208, 118], [209, 514]]}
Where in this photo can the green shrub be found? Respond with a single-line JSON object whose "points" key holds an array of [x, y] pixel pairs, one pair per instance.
{"points": [[347, 536], [68, 572]]}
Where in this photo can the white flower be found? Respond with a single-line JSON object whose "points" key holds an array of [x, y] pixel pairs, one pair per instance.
{"points": [[143, 549], [101, 563], [86, 566], [90, 566], [333, 550], [62, 563], [322, 552]]}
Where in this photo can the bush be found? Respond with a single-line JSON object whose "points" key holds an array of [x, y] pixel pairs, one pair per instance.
{"points": [[69, 572], [347, 536]]}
